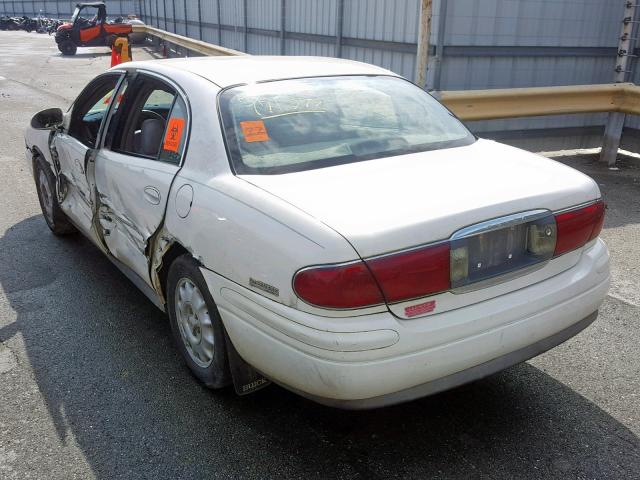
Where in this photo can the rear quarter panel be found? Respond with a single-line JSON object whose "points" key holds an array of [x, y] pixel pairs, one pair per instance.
{"points": [[242, 233]]}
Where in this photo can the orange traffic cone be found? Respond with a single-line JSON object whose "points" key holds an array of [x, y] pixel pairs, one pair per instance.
{"points": [[123, 49], [115, 56]]}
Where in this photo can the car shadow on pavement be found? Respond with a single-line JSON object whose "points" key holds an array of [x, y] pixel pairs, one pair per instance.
{"points": [[114, 385]]}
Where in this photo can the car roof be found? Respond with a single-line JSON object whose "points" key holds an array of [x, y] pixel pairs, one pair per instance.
{"points": [[234, 70]]}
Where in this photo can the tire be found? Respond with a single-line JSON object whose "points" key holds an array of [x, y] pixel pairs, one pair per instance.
{"points": [[195, 323], [56, 219], [67, 47]]}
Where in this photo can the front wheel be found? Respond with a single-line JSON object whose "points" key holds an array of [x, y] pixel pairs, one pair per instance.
{"points": [[56, 219], [67, 47], [195, 323]]}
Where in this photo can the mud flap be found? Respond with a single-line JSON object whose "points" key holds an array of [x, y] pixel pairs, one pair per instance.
{"points": [[246, 379]]}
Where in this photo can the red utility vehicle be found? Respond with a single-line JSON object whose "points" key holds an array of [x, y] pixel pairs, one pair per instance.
{"points": [[84, 32]]}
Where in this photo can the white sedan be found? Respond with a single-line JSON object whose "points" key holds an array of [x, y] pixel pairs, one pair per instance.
{"points": [[322, 224]]}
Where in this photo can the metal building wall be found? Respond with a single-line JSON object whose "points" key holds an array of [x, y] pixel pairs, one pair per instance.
{"points": [[62, 8], [534, 43], [486, 43]]}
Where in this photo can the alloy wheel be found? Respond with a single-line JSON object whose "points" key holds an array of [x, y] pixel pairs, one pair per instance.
{"points": [[194, 322]]}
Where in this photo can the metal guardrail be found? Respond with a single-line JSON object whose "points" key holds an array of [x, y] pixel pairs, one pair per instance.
{"points": [[197, 46], [538, 101]]}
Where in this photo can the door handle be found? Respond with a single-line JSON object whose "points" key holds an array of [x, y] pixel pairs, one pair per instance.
{"points": [[152, 195]]}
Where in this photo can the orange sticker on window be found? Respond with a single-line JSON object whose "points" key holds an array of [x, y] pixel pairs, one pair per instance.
{"points": [[254, 131], [174, 135]]}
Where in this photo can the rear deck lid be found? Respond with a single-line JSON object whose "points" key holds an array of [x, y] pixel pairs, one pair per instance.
{"points": [[413, 202], [393, 203]]}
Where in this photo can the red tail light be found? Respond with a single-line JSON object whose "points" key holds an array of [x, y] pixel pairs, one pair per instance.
{"points": [[338, 286], [413, 274], [577, 227]]}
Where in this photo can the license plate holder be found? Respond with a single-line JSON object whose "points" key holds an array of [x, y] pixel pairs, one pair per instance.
{"points": [[501, 249]]}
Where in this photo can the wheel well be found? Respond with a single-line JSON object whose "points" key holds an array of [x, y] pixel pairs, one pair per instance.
{"points": [[175, 250], [36, 157]]}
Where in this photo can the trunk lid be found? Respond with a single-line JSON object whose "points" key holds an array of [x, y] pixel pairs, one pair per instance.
{"points": [[394, 203]]}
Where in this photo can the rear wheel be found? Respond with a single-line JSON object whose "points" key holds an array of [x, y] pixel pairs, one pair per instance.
{"points": [[195, 323], [56, 219], [67, 47]]}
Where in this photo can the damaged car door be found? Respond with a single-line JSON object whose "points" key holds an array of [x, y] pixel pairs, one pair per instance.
{"points": [[135, 168], [75, 142]]}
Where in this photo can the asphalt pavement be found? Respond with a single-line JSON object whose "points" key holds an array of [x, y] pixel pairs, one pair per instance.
{"points": [[91, 385]]}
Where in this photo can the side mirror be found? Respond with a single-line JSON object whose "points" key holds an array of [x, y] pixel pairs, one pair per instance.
{"points": [[47, 119]]}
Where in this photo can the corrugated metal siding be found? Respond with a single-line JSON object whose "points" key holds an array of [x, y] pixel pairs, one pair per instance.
{"points": [[264, 14], [488, 43], [302, 47], [311, 16], [64, 8], [585, 23], [391, 20]]}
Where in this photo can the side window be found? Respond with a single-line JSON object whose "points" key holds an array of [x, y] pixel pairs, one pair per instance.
{"points": [[150, 122], [90, 109], [175, 136]]}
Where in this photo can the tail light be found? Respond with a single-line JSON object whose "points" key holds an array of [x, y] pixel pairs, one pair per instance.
{"points": [[412, 274], [456, 263], [392, 278], [577, 227], [349, 285]]}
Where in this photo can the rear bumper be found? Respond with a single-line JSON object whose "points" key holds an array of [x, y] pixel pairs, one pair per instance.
{"points": [[459, 378], [375, 360]]}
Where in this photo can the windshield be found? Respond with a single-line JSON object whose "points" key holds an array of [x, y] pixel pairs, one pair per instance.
{"points": [[90, 14], [293, 125]]}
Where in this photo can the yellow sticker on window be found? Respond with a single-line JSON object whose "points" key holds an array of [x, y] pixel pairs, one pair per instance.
{"points": [[174, 135], [254, 131]]}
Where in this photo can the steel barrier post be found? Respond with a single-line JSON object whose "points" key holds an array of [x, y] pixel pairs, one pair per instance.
{"points": [[200, 19], [283, 25], [339, 27], [615, 122], [442, 25], [186, 20], [246, 26], [175, 24], [218, 13]]}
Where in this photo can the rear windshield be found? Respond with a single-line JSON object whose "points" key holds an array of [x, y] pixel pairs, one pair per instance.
{"points": [[293, 125]]}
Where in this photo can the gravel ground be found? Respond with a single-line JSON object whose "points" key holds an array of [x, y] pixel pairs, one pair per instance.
{"points": [[92, 387]]}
